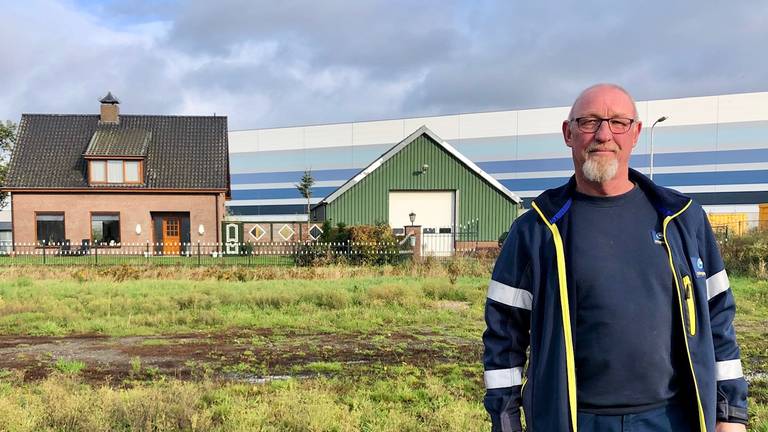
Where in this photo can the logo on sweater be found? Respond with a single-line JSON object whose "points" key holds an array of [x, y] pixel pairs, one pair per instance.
{"points": [[698, 267], [657, 237]]}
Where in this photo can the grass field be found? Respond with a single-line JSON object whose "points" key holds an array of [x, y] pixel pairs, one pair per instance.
{"points": [[327, 350]]}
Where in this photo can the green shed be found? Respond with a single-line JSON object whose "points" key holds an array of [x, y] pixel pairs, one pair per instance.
{"points": [[426, 179]]}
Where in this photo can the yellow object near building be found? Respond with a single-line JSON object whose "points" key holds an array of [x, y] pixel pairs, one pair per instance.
{"points": [[763, 217], [734, 223]]}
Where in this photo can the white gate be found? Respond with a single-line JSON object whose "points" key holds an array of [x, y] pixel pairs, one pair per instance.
{"points": [[435, 211]]}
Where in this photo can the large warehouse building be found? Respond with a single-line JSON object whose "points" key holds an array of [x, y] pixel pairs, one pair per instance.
{"points": [[714, 148]]}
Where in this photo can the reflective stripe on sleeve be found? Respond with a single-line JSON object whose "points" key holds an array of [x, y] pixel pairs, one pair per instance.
{"points": [[509, 295], [728, 369], [501, 378], [717, 283]]}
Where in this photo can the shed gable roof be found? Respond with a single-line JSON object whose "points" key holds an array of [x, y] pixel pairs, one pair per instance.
{"points": [[404, 143]]}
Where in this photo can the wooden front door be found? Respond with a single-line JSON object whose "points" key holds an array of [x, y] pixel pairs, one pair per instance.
{"points": [[171, 235]]}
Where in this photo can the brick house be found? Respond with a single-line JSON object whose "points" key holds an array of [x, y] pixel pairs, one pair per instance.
{"points": [[111, 180]]}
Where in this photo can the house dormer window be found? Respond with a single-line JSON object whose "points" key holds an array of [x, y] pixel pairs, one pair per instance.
{"points": [[115, 171]]}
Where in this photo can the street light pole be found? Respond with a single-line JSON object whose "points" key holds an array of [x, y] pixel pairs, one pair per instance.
{"points": [[659, 120]]}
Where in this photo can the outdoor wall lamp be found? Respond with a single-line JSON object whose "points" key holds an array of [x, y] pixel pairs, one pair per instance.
{"points": [[201, 229], [138, 229], [424, 168], [412, 217]]}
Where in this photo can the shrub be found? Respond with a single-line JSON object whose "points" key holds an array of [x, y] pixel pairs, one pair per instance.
{"points": [[747, 255], [357, 245], [313, 254]]}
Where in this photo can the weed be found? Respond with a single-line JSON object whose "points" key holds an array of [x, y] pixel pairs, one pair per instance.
{"points": [[69, 367], [135, 363]]}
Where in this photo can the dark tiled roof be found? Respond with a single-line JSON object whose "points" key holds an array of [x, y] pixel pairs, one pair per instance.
{"points": [[182, 152], [112, 140]]}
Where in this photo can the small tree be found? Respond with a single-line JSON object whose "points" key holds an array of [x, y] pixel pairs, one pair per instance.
{"points": [[7, 143], [305, 188]]}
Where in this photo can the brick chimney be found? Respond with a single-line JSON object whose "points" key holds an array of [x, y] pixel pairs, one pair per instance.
{"points": [[110, 111]]}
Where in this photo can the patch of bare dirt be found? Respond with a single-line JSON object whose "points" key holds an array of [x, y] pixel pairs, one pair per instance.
{"points": [[257, 352]]}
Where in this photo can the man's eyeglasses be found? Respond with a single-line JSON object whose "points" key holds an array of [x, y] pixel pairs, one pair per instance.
{"points": [[617, 125]]}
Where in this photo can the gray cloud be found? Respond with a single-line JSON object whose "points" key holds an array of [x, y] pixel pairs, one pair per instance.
{"points": [[294, 62]]}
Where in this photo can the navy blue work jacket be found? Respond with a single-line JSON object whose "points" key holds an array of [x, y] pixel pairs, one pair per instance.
{"points": [[529, 358]]}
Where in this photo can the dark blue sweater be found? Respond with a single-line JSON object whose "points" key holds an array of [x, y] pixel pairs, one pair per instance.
{"points": [[623, 335]]}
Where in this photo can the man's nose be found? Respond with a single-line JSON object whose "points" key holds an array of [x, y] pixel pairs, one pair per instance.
{"points": [[603, 132]]}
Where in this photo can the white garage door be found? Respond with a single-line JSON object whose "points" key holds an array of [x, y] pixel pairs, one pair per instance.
{"points": [[435, 212]]}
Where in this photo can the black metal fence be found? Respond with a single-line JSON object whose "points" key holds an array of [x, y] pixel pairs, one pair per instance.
{"points": [[725, 231], [201, 254]]}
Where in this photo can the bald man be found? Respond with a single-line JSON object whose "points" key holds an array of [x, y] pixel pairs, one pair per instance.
{"points": [[612, 290]]}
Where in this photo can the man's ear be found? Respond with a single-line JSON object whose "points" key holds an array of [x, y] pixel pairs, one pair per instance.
{"points": [[637, 133], [567, 134]]}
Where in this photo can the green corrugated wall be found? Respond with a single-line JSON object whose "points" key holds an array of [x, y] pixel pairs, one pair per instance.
{"points": [[367, 202]]}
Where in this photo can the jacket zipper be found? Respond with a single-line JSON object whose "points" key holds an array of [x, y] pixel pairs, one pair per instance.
{"points": [[570, 362], [667, 220]]}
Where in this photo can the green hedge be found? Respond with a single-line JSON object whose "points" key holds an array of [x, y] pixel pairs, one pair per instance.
{"points": [[746, 255]]}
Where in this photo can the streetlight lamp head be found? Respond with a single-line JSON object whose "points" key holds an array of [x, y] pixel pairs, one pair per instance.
{"points": [[412, 217], [661, 119]]}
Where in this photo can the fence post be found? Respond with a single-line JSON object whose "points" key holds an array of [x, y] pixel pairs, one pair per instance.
{"points": [[146, 254], [44, 252], [477, 234], [198, 253], [96, 255]]}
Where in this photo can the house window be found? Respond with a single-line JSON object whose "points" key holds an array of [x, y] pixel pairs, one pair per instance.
{"points": [[131, 171], [98, 171], [105, 229], [50, 228], [115, 171]]}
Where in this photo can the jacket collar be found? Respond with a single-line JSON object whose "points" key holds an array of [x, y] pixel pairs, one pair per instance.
{"points": [[554, 203]]}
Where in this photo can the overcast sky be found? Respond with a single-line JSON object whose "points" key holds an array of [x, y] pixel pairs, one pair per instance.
{"points": [[284, 63]]}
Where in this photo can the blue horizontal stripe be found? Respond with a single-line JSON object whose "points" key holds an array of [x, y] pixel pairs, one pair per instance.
{"points": [[638, 160], [712, 178], [249, 194], [293, 176], [702, 158], [527, 165], [534, 183], [320, 158], [277, 209]]}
